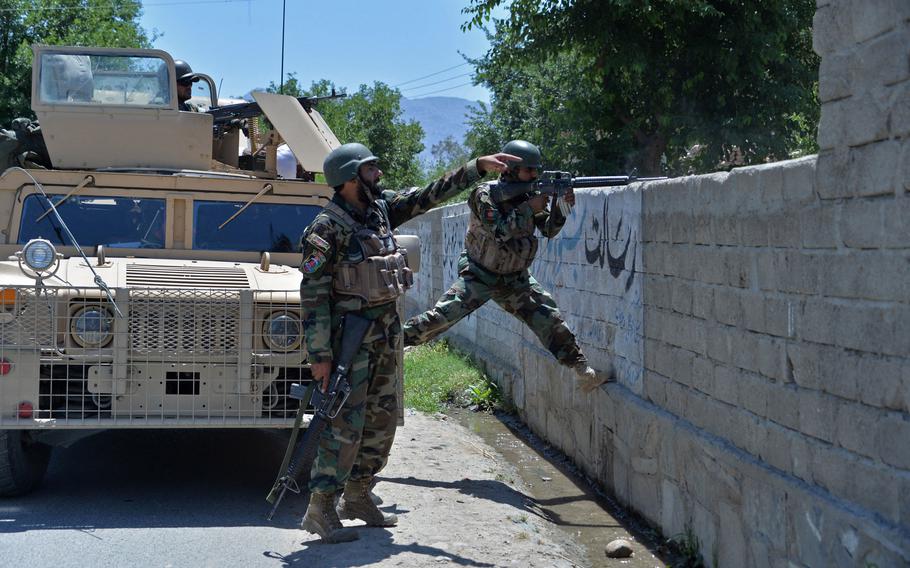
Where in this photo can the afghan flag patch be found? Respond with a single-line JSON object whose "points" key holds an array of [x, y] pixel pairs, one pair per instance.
{"points": [[318, 242], [313, 262]]}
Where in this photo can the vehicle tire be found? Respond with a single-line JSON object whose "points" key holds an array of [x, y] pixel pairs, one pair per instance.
{"points": [[22, 462]]}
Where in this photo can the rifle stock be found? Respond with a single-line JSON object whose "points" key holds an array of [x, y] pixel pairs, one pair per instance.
{"points": [[326, 405]]}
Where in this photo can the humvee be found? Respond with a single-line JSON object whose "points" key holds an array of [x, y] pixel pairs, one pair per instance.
{"points": [[151, 275]]}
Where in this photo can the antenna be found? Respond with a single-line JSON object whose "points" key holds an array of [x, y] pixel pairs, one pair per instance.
{"points": [[283, 11]]}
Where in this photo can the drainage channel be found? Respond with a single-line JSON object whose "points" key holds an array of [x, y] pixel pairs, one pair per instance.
{"points": [[563, 496]]}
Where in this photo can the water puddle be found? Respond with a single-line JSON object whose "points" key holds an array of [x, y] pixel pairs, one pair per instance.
{"points": [[563, 496]]}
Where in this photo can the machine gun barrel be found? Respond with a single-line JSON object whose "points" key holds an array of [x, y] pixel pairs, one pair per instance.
{"points": [[227, 113], [558, 184]]}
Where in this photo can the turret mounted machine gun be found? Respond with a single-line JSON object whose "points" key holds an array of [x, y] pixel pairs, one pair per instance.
{"points": [[557, 184], [232, 116]]}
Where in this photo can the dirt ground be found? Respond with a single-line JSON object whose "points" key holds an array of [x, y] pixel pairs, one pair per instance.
{"points": [[458, 502]]}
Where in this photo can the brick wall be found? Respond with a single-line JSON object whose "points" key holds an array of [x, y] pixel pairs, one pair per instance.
{"points": [[760, 322]]}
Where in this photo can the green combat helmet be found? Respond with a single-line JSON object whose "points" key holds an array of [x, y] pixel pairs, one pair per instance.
{"points": [[343, 162], [529, 154]]}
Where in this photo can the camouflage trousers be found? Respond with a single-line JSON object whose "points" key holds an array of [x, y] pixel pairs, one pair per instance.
{"points": [[357, 443], [519, 294]]}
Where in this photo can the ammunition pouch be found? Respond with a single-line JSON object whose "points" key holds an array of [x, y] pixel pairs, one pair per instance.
{"points": [[500, 256]]}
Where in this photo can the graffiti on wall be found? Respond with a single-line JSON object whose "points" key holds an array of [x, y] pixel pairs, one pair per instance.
{"points": [[600, 249]]}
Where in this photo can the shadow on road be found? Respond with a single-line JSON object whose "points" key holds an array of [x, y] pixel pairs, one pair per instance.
{"points": [[158, 478]]}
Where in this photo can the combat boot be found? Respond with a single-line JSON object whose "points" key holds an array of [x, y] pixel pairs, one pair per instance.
{"points": [[356, 503], [321, 519], [589, 379]]}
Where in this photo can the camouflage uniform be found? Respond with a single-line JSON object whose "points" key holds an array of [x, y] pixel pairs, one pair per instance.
{"points": [[358, 443], [512, 227]]}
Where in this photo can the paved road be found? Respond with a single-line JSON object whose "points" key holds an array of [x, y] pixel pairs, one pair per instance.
{"points": [[196, 499], [152, 498]]}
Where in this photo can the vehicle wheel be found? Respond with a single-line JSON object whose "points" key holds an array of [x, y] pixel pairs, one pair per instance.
{"points": [[22, 462]]}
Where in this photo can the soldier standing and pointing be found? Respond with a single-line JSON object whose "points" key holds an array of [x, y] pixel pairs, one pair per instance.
{"points": [[500, 245], [352, 264]]}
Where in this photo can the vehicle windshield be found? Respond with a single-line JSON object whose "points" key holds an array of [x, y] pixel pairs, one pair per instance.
{"points": [[272, 227], [117, 222], [104, 80]]}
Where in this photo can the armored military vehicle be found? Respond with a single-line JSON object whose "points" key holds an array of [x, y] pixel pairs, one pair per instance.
{"points": [[150, 280]]}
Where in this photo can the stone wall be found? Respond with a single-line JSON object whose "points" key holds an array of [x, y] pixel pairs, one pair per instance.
{"points": [[760, 321]]}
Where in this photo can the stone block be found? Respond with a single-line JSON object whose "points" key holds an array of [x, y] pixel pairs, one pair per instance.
{"points": [[807, 520], [681, 227], [818, 415], [867, 118], [892, 441], [796, 272], [872, 486], [771, 358], [704, 524], [754, 229], [745, 352], [673, 518], [831, 174], [719, 344], [834, 77], [765, 510], [900, 110], [702, 301], [725, 228], [777, 452], [682, 366], [783, 405], [832, 468], [771, 186], [681, 292], [779, 315], [731, 550], [833, 124], [767, 276], [857, 425], [753, 393], [862, 222], [703, 374], [865, 328], [727, 384], [783, 229], [655, 388], [882, 381], [896, 227], [832, 29], [728, 306], [817, 321], [872, 18], [738, 269], [708, 265], [799, 179], [656, 291], [753, 311], [838, 372], [869, 275], [818, 226], [871, 168]]}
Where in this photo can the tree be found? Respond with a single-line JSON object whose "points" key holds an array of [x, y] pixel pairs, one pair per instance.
{"points": [[101, 23], [607, 85], [371, 116]]}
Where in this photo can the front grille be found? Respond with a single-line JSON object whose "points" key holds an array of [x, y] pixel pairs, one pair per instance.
{"points": [[157, 276], [189, 323], [178, 358]]}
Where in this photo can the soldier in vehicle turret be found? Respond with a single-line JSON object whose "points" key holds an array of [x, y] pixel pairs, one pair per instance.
{"points": [[352, 264], [185, 80]]}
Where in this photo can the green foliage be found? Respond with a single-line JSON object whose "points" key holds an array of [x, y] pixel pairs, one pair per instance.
{"points": [[371, 116], [448, 155], [100, 23], [435, 375], [605, 86], [689, 549]]}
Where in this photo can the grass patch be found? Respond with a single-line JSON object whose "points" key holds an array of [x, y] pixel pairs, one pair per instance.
{"points": [[436, 376]]}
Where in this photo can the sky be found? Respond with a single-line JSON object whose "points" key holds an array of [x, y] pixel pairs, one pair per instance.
{"points": [[414, 45]]}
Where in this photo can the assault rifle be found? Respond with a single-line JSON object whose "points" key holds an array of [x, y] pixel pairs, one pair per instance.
{"points": [[228, 116], [299, 459], [558, 184]]}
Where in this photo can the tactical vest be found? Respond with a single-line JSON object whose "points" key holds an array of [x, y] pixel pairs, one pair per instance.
{"points": [[373, 268], [501, 257]]}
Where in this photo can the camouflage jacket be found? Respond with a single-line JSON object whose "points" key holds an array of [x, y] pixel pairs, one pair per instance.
{"points": [[326, 237], [507, 219]]}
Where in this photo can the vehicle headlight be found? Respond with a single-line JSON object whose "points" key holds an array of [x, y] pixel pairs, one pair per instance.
{"points": [[92, 326], [39, 255], [282, 331]]}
